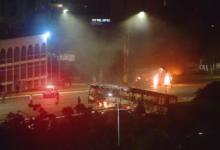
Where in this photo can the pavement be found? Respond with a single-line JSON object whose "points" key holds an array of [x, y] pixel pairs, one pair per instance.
{"points": [[73, 87]]}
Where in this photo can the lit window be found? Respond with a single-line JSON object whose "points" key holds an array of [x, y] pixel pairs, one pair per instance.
{"points": [[99, 20], [93, 20]]}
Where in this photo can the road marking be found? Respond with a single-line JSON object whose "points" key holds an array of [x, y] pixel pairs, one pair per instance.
{"points": [[17, 96]]}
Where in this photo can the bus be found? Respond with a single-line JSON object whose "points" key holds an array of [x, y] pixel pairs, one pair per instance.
{"points": [[99, 92], [130, 98]]}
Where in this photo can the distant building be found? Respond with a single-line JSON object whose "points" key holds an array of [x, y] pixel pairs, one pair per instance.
{"points": [[23, 61]]}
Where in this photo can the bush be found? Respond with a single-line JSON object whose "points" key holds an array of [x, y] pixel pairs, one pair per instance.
{"points": [[67, 111], [80, 108]]}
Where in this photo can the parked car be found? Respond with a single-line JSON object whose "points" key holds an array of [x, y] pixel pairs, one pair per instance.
{"points": [[49, 92]]}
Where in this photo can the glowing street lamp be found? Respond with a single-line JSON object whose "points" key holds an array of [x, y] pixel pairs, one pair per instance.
{"points": [[65, 11], [141, 14], [47, 34], [140, 18]]}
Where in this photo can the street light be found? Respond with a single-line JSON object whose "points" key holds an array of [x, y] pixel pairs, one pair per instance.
{"points": [[141, 14], [46, 38], [118, 112], [47, 34], [131, 21], [65, 11]]}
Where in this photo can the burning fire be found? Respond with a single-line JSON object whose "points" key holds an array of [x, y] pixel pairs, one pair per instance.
{"points": [[155, 81], [138, 78], [167, 79], [104, 104]]}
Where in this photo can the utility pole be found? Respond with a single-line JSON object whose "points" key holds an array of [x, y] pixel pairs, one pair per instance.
{"points": [[118, 111]]}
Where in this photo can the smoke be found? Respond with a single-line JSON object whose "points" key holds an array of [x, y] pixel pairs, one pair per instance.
{"points": [[98, 48], [94, 46]]}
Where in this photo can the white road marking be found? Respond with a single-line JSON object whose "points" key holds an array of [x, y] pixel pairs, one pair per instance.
{"points": [[17, 96]]}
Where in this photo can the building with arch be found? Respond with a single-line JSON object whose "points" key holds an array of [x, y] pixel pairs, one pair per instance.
{"points": [[23, 61]]}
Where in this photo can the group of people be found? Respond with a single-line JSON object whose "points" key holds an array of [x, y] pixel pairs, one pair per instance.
{"points": [[57, 96]]}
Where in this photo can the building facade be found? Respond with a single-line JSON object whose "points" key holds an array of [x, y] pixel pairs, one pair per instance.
{"points": [[23, 61]]}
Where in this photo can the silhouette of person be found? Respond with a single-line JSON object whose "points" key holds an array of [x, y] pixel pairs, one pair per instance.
{"points": [[31, 99], [17, 88], [57, 97], [3, 96], [79, 100]]}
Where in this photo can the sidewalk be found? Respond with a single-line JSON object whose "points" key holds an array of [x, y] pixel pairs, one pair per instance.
{"points": [[74, 87]]}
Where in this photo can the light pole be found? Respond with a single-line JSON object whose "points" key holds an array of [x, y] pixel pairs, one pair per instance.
{"points": [[165, 78], [46, 36], [141, 16], [118, 112], [51, 66]]}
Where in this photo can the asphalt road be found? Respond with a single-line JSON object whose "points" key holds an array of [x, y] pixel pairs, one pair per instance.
{"points": [[185, 92], [20, 102], [68, 97]]}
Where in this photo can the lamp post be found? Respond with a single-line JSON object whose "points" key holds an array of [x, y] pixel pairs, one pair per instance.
{"points": [[139, 17], [165, 77], [51, 66], [118, 112]]}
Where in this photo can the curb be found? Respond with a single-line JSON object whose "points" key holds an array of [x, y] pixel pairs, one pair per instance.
{"points": [[23, 94]]}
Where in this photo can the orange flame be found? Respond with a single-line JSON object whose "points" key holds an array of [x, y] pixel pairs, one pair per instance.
{"points": [[167, 79], [155, 81], [105, 104]]}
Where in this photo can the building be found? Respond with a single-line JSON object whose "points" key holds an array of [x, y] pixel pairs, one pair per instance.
{"points": [[23, 61]]}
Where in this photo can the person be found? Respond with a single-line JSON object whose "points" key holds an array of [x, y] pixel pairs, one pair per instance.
{"points": [[17, 88], [79, 100], [3, 96], [31, 99], [57, 97]]}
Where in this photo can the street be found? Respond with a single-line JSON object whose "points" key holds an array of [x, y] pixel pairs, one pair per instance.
{"points": [[185, 92], [15, 103]]}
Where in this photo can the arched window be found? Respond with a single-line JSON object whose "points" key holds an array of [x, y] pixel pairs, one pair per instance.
{"points": [[9, 56], [36, 51], [23, 53], [43, 50], [16, 54], [30, 52], [2, 56]]}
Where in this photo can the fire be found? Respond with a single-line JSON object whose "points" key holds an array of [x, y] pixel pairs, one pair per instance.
{"points": [[155, 80], [138, 78], [167, 79], [105, 104]]}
